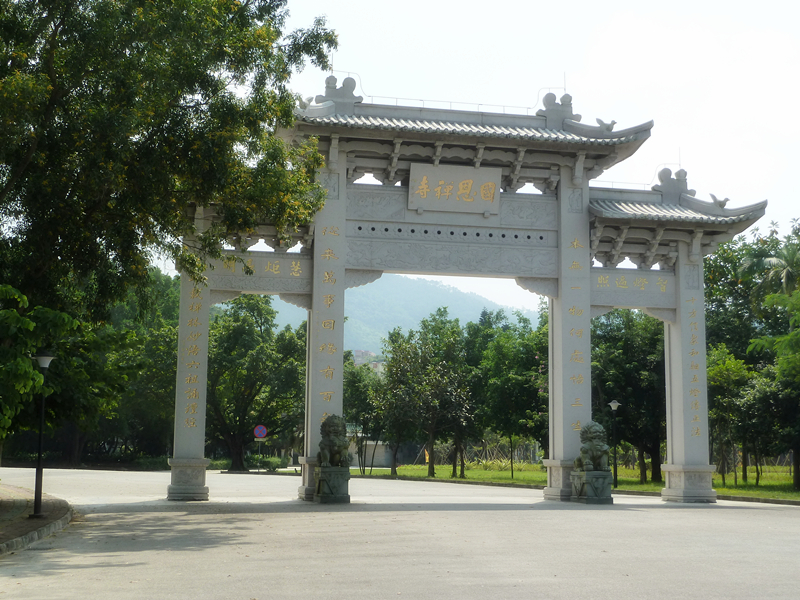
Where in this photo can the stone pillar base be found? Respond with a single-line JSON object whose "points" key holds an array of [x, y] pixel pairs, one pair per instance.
{"points": [[688, 483], [188, 479], [332, 483], [307, 489], [591, 487], [559, 486]]}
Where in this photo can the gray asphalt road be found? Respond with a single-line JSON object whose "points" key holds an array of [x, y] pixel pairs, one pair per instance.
{"points": [[396, 539]]}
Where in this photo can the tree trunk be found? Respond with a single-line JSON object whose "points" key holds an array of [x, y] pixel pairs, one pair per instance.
{"points": [[723, 463], [76, 444], [2, 441], [360, 452], [758, 471], [511, 446], [795, 465], [454, 474], [393, 472], [463, 476], [711, 449], [745, 462], [642, 465], [374, 448], [655, 465], [236, 449], [431, 443]]}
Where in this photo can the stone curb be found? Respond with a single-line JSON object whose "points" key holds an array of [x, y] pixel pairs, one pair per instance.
{"points": [[17, 530], [23, 541]]}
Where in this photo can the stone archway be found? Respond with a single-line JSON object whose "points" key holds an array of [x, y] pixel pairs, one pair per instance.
{"points": [[451, 204]]}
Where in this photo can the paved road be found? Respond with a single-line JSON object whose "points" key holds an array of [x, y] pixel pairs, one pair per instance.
{"points": [[397, 539]]}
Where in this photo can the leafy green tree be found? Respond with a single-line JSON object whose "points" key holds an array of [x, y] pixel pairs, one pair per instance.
{"points": [[774, 265], [787, 349], [442, 387], [727, 377], [759, 428], [478, 335], [730, 316], [360, 385], [149, 308], [288, 387], [121, 118], [20, 337], [628, 366], [144, 419], [511, 365], [395, 398], [254, 376]]}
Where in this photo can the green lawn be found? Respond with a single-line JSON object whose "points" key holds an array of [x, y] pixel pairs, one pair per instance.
{"points": [[775, 483]]}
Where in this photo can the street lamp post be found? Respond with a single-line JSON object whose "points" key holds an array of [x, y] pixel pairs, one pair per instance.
{"points": [[614, 406], [44, 359]]}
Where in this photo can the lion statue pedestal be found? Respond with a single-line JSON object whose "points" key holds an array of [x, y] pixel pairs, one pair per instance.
{"points": [[333, 473], [591, 480]]}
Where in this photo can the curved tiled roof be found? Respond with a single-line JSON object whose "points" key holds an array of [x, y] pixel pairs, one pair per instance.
{"points": [[454, 128], [615, 209]]}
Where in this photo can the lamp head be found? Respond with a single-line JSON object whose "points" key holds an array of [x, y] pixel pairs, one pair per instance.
{"points": [[44, 358], [614, 405]]}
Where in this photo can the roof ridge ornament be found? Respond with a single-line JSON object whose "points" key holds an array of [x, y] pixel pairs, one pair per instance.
{"points": [[556, 113], [671, 187], [342, 97], [335, 100]]}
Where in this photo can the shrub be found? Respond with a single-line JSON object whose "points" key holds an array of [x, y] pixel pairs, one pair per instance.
{"points": [[268, 463]]}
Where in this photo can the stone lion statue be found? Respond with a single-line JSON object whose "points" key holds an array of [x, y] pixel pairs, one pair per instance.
{"points": [[334, 445], [594, 450]]}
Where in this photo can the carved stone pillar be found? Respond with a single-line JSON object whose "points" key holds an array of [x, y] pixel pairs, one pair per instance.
{"points": [[687, 470], [324, 367], [188, 462], [570, 344]]}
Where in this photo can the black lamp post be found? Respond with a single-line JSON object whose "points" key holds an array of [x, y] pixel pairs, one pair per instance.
{"points": [[43, 358], [614, 406]]}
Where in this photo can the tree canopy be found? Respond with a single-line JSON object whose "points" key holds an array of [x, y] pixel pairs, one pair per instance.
{"points": [[119, 118]]}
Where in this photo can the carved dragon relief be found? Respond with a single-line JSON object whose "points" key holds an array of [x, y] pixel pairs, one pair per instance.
{"points": [[376, 205], [541, 215]]}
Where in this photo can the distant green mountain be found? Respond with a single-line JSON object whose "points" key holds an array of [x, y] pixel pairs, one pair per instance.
{"points": [[396, 301]]}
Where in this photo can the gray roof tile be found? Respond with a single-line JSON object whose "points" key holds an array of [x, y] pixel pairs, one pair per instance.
{"points": [[474, 129], [614, 209]]}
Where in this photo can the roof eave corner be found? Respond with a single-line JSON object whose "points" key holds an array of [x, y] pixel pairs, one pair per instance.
{"points": [[717, 208]]}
